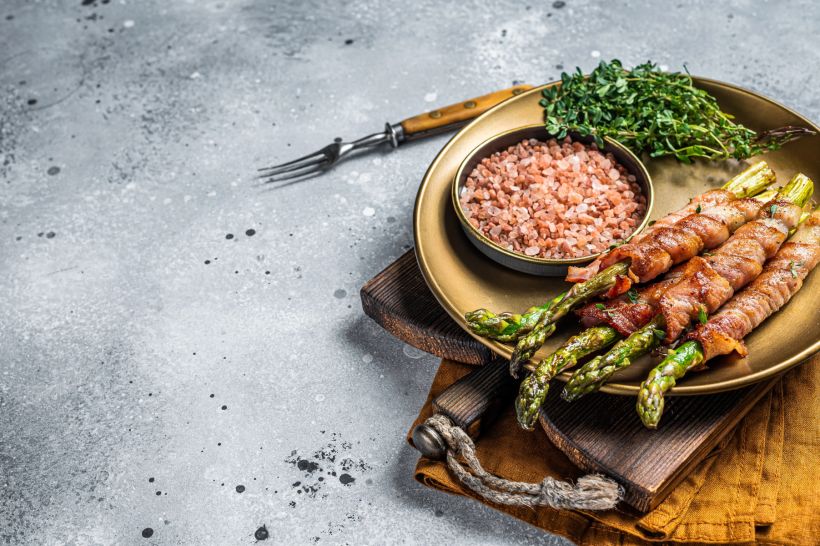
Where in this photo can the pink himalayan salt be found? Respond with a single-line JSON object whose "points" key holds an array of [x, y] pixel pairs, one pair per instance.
{"points": [[553, 200]]}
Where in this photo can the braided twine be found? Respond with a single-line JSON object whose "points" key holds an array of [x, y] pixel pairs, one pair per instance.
{"points": [[591, 492]]}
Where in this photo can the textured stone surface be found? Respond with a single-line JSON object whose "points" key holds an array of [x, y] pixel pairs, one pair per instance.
{"points": [[152, 364]]}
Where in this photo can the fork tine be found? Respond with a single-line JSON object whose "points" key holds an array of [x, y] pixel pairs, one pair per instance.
{"points": [[293, 172], [271, 185], [282, 169], [319, 153]]}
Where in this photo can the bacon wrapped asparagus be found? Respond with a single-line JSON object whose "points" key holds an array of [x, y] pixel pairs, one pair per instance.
{"points": [[705, 200], [627, 314], [706, 283], [671, 245], [650, 257], [678, 296], [508, 327], [711, 281], [606, 324], [724, 331]]}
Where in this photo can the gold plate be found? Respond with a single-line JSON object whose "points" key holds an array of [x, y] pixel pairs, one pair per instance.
{"points": [[463, 279]]}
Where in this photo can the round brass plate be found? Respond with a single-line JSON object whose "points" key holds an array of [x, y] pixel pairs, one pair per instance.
{"points": [[463, 279]]}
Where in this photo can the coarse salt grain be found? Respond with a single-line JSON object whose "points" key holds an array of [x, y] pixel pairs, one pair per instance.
{"points": [[553, 199]]}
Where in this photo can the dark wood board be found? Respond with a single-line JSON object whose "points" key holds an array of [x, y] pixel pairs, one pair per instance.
{"points": [[399, 300], [598, 433], [602, 433]]}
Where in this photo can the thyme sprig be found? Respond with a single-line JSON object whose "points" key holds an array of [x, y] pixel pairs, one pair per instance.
{"points": [[653, 111]]}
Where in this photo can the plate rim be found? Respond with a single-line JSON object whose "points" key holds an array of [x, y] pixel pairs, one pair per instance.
{"points": [[613, 387]]}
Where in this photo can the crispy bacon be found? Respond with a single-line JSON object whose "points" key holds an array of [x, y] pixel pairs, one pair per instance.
{"points": [[705, 200], [702, 290], [659, 251], [626, 315], [622, 284], [781, 278], [711, 281]]}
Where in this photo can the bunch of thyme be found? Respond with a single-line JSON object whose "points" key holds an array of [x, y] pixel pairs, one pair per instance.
{"points": [[653, 111]]}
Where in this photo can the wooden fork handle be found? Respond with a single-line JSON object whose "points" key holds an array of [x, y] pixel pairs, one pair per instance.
{"points": [[456, 115]]}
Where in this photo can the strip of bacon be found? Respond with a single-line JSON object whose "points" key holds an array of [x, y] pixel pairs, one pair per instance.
{"points": [[711, 281], [781, 278], [702, 283], [671, 245], [626, 315], [705, 200]]}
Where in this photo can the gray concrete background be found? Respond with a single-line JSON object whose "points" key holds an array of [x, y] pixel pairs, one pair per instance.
{"points": [[139, 386]]}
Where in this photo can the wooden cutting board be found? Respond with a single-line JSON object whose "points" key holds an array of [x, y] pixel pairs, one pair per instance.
{"points": [[600, 433]]}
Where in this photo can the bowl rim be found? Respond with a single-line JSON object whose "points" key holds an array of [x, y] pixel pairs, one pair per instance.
{"points": [[483, 239]]}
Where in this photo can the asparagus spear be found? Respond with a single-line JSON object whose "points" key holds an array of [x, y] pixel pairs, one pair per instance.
{"points": [[508, 327], [690, 354], [663, 377], [757, 179], [533, 390], [597, 371], [592, 375], [579, 294]]}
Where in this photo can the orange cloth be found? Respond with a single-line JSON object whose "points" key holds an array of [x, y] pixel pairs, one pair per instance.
{"points": [[758, 487]]}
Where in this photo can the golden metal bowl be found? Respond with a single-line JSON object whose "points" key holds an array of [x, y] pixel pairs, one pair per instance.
{"points": [[518, 261]]}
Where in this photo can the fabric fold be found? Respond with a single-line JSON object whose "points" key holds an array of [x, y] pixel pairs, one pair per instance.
{"points": [[766, 510]]}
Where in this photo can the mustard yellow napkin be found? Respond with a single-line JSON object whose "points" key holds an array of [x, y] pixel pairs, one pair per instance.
{"points": [[758, 487]]}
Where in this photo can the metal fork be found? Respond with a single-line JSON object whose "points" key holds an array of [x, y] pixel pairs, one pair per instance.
{"points": [[430, 123], [316, 163]]}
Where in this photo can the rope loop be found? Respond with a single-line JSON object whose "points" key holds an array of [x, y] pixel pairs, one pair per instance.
{"points": [[590, 492]]}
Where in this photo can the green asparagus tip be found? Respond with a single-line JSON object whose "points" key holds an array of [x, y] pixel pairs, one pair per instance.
{"points": [[751, 181], [531, 395], [650, 404], [487, 324], [580, 383], [478, 315], [533, 391], [527, 346], [662, 378], [798, 190], [525, 414]]}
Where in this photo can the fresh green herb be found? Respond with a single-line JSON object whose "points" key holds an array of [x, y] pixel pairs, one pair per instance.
{"points": [[602, 307], [708, 254], [702, 316], [697, 210], [632, 294], [793, 268], [650, 110], [773, 209]]}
